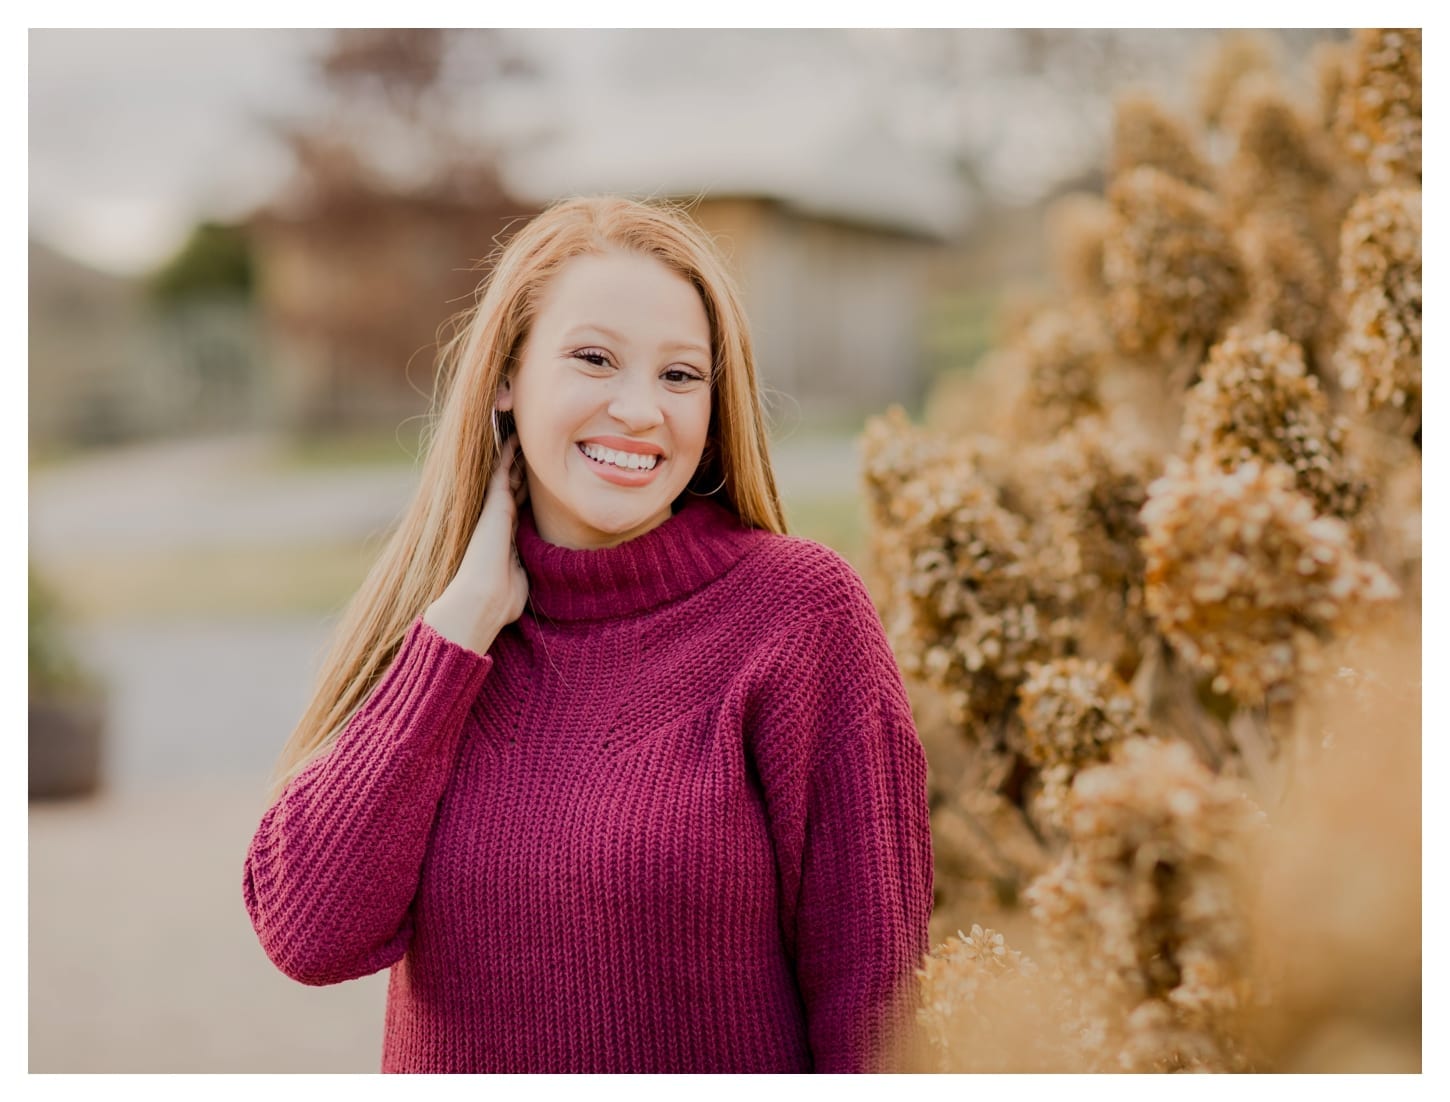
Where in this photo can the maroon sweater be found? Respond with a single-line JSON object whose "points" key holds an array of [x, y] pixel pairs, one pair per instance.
{"points": [[674, 820]]}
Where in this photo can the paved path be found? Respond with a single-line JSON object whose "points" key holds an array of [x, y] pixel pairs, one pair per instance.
{"points": [[225, 493], [141, 955]]}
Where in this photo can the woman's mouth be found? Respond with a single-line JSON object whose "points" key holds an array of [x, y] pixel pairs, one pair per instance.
{"points": [[620, 476]]}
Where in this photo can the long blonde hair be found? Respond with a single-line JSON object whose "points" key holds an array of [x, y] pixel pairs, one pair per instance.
{"points": [[460, 449]]}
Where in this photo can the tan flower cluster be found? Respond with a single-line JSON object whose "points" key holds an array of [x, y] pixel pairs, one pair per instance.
{"points": [[988, 1008], [1063, 354], [1329, 64], [1145, 896], [1288, 280], [1073, 711], [1341, 978], [1087, 487], [967, 606], [1236, 55], [1281, 164], [1379, 274], [1174, 275], [1077, 224], [1144, 134], [1243, 577], [1255, 400], [1378, 118]]}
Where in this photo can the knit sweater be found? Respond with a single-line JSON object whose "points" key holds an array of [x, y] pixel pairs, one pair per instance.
{"points": [[675, 820]]}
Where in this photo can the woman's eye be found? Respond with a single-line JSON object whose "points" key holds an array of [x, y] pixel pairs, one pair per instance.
{"points": [[676, 376]]}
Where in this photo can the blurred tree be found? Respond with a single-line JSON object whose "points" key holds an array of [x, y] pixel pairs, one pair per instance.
{"points": [[377, 237], [215, 260]]}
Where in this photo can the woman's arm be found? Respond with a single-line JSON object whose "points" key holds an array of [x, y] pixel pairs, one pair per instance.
{"points": [[844, 776], [331, 873]]}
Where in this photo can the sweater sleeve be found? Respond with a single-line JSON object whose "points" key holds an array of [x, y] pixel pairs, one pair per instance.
{"points": [[331, 873], [844, 778]]}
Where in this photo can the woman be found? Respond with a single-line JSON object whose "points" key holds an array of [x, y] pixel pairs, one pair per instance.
{"points": [[673, 819]]}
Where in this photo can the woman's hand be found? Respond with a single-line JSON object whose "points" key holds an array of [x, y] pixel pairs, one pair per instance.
{"points": [[490, 588]]}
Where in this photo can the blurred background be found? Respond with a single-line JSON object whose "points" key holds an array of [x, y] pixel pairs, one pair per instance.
{"points": [[245, 246]]}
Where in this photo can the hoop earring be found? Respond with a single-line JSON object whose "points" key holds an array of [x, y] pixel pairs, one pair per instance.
{"points": [[498, 440], [716, 490]]}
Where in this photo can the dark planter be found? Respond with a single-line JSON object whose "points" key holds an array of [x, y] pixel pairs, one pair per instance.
{"points": [[67, 731]]}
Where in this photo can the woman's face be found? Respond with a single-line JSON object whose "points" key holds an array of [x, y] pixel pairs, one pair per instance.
{"points": [[619, 353]]}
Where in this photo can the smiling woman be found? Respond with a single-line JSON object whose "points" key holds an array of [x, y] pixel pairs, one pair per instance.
{"points": [[610, 771], [646, 390]]}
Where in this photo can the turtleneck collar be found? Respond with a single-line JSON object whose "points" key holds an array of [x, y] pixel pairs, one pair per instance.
{"points": [[675, 558]]}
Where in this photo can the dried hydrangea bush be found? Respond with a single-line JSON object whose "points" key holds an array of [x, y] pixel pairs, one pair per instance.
{"points": [[989, 1008], [1282, 165], [1243, 576], [1073, 712], [1380, 263], [1378, 113], [1255, 400], [1174, 274], [1144, 896], [1288, 279], [1077, 225], [1062, 354], [1085, 489], [968, 605], [1235, 56], [1339, 981], [1146, 134], [1087, 557]]}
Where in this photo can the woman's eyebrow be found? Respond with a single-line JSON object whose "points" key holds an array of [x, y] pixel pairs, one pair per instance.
{"points": [[612, 335]]}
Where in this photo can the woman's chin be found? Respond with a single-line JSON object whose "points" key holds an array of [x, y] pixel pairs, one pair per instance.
{"points": [[625, 517]]}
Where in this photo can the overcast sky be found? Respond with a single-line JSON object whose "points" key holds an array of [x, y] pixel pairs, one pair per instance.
{"points": [[133, 132]]}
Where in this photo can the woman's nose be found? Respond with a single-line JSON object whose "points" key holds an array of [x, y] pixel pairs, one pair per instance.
{"points": [[635, 402]]}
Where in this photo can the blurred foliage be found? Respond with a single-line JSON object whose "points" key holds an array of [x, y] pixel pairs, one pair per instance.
{"points": [[215, 261], [53, 666], [960, 329], [348, 448]]}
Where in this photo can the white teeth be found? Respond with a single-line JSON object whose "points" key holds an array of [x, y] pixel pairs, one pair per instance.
{"points": [[627, 460]]}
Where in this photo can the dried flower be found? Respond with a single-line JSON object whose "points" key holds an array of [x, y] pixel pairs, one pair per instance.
{"points": [[1243, 576], [1378, 118], [1288, 280], [1073, 711], [1379, 274], [1236, 55], [1281, 165], [1086, 488], [1174, 275], [967, 605], [1077, 224], [988, 1008], [1144, 895], [1145, 134], [1255, 400], [1329, 64], [1062, 352]]}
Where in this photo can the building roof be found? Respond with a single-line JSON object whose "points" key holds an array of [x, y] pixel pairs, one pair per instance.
{"points": [[813, 158]]}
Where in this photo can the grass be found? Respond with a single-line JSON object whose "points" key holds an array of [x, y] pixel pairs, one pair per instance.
{"points": [[226, 584], [837, 522], [250, 583], [381, 447]]}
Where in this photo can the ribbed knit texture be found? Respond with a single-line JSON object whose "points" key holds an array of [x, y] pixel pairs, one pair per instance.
{"points": [[674, 821]]}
